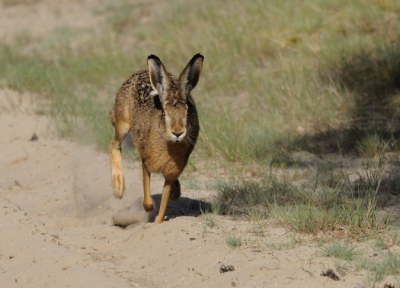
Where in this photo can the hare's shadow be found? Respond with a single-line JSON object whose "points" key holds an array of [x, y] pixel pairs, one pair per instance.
{"points": [[183, 207], [135, 213]]}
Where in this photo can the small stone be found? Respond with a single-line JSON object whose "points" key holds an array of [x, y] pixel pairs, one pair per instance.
{"points": [[329, 273], [226, 268], [34, 137]]}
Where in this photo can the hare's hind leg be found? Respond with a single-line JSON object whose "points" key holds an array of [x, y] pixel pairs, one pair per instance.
{"points": [[164, 200], [117, 175], [147, 200]]}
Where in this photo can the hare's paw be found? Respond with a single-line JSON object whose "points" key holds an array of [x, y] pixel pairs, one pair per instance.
{"points": [[159, 220], [148, 204], [118, 184]]}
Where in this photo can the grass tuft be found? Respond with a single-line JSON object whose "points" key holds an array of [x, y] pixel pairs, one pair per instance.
{"points": [[292, 242], [233, 241], [381, 266], [298, 209], [342, 268], [372, 145], [341, 251], [388, 240], [210, 221]]}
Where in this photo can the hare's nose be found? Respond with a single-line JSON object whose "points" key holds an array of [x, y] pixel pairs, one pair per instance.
{"points": [[177, 134]]}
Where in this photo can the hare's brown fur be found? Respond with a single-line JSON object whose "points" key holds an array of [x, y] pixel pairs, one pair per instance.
{"points": [[159, 111]]}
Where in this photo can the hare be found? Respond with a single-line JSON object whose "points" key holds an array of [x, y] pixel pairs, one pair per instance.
{"points": [[159, 111]]}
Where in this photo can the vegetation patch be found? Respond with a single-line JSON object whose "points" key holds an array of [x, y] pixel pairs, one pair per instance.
{"points": [[340, 251], [233, 241], [331, 198], [380, 266]]}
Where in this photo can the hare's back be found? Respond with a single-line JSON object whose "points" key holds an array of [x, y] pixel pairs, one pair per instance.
{"points": [[138, 86]]}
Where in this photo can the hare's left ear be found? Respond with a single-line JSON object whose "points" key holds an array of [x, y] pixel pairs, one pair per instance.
{"points": [[158, 76], [191, 74]]}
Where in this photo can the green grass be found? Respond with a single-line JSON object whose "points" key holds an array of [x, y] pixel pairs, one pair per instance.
{"points": [[7, 3], [340, 251], [326, 198], [342, 268], [233, 241], [252, 193], [381, 266], [291, 243], [388, 240], [69, 85], [216, 207], [372, 145], [210, 221], [378, 266], [310, 219]]}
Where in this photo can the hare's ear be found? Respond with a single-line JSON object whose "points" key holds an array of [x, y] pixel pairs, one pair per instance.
{"points": [[191, 74], [158, 76]]}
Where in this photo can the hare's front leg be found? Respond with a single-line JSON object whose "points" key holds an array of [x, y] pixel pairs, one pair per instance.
{"points": [[175, 191], [164, 200], [117, 175], [147, 200]]}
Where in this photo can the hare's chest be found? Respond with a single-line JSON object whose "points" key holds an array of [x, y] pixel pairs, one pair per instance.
{"points": [[163, 160]]}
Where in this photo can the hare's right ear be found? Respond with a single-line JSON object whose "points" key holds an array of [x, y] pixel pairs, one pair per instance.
{"points": [[191, 74], [158, 76]]}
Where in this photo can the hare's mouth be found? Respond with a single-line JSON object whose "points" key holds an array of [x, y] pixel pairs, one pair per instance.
{"points": [[177, 136]]}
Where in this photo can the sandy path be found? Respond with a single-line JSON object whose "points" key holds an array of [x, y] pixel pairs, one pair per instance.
{"points": [[36, 19]]}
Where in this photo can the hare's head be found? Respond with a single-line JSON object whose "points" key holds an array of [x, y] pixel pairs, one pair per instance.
{"points": [[174, 94]]}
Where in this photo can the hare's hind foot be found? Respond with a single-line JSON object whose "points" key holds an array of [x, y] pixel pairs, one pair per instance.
{"points": [[117, 175], [176, 191], [118, 184]]}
